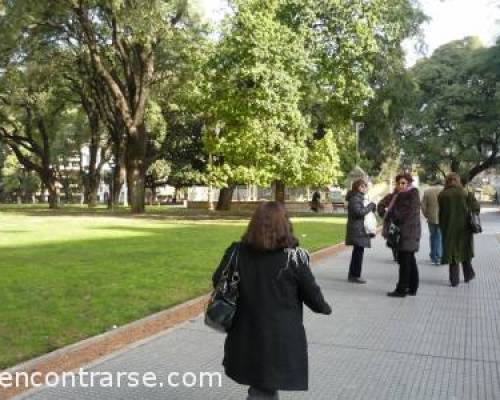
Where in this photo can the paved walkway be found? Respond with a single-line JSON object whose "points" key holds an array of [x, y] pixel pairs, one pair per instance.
{"points": [[442, 344]]}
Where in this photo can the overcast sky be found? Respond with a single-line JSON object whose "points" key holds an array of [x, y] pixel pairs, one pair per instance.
{"points": [[450, 20], [455, 19]]}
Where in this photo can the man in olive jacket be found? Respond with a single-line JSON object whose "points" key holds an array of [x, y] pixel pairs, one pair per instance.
{"points": [[458, 246], [430, 209]]}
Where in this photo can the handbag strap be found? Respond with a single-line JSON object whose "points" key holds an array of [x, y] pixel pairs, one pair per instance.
{"points": [[232, 273], [468, 200]]}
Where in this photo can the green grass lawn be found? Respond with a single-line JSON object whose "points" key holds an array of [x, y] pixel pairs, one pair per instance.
{"points": [[69, 275]]}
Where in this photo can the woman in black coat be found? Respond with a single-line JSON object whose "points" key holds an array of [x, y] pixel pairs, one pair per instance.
{"points": [[356, 234], [404, 212], [266, 346], [316, 205]]}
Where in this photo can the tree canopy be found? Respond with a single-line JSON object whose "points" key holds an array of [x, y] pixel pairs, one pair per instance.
{"points": [[455, 121], [151, 89], [290, 73]]}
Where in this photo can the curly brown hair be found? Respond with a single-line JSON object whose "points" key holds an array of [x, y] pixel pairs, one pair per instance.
{"points": [[356, 185], [270, 228], [404, 175]]}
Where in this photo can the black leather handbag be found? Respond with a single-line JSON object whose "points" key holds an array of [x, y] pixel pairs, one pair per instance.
{"points": [[222, 305], [474, 221], [393, 236]]}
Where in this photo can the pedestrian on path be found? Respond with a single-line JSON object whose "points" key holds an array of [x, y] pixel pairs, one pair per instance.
{"points": [[455, 203], [356, 234], [266, 346], [316, 205], [430, 209], [404, 212], [382, 207]]}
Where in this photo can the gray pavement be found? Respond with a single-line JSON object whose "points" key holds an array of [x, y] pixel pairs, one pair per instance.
{"points": [[442, 344]]}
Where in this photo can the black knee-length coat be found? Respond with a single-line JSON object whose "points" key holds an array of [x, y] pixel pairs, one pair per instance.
{"points": [[405, 213], [266, 346]]}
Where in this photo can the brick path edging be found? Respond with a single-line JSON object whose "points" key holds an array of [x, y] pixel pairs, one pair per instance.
{"points": [[83, 353]]}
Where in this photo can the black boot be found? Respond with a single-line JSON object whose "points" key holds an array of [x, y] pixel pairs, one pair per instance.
{"points": [[397, 293]]}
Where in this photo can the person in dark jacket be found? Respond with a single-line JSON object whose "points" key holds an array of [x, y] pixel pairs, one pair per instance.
{"points": [[266, 346], [356, 234], [404, 212], [316, 205], [458, 246]]}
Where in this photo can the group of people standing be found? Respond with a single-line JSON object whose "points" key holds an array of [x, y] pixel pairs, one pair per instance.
{"points": [[266, 347], [447, 211]]}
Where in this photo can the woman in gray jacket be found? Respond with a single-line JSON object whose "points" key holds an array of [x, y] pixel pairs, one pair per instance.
{"points": [[356, 234]]}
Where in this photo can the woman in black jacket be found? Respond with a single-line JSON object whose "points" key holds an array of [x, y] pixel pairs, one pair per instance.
{"points": [[356, 234], [404, 212], [266, 346]]}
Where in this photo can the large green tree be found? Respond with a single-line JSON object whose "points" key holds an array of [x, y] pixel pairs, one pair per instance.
{"points": [[257, 132], [289, 71], [384, 118], [356, 52], [127, 43], [455, 121], [17, 181], [33, 104]]}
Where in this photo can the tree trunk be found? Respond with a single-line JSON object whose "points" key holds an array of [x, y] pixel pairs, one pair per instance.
{"points": [[42, 193], [225, 198], [154, 195], [53, 195], [135, 183], [120, 179], [492, 161], [118, 174], [67, 190], [92, 187], [85, 194], [92, 196], [93, 179], [279, 191], [136, 168]]}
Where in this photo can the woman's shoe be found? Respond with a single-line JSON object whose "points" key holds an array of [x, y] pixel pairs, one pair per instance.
{"points": [[356, 280], [396, 293]]}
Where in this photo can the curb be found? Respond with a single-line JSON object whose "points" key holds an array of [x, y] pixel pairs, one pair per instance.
{"points": [[328, 252], [90, 350], [83, 353]]}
